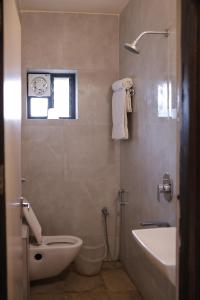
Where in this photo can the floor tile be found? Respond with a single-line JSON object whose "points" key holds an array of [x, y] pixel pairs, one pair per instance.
{"points": [[112, 283], [89, 296], [48, 297], [117, 280], [78, 283], [124, 296], [112, 265], [56, 287]]}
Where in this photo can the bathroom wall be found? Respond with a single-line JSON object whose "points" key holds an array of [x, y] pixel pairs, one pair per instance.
{"points": [[152, 148], [72, 166]]}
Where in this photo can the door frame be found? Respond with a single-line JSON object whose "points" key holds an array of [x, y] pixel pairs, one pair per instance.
{"points": [[3, 250], [189, 273]]}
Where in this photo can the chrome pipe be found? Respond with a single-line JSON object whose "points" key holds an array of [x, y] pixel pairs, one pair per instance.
{"points": [[132, 47]]}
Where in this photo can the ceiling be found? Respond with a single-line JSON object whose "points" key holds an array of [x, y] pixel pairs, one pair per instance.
{"points": [[84, 6]]}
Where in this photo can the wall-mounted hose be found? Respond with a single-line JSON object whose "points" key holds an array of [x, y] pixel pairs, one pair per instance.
{"points": [[105, 214]]}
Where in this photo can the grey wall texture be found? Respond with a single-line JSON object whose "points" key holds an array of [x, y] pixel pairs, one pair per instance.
{"points": [[152, 149], [73, 166]]}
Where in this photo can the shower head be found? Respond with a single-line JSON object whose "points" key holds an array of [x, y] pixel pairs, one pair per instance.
{"points": [[133, 46]]}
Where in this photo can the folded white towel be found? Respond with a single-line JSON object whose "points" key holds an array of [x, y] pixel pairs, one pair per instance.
{"points": [[128, 101], [121, 104], [119, 115], [125, 83]]}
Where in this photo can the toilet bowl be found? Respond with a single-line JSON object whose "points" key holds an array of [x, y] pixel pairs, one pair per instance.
{"points": [[50, 255]]}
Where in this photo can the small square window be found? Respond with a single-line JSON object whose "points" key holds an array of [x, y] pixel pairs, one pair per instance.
{"points": [[38, 107], [51, 96]]}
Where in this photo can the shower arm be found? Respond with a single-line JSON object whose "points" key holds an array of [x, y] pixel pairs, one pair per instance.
{"points": [[166, 33]]}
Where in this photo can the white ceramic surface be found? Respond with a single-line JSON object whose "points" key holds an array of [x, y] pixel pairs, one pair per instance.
{"points": [[160, 246], [57, 252], [33, 223], [52, 254]]}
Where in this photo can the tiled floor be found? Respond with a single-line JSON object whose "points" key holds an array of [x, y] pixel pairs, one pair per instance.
{"points": [[111, 284]]}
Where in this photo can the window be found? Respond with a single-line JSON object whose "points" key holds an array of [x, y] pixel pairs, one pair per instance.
{"points": [[51, 95]]}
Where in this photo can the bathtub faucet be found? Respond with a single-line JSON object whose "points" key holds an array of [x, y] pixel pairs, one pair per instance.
{"points": [[155, 224]]}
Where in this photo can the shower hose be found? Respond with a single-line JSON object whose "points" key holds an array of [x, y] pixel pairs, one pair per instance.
{"points": [[105, 214]]}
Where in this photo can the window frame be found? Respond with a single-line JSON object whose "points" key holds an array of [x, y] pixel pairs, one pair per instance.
{"points": [[72, 94]]}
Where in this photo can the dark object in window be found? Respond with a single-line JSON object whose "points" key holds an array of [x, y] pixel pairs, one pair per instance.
{"points": [[51, 95]]}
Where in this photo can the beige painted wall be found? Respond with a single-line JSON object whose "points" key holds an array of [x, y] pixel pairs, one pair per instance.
{"points": [[12, 134], [72, 167], [152, 149]]}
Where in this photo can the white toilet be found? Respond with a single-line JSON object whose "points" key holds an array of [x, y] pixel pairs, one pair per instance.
{"points": [[50, 255]]}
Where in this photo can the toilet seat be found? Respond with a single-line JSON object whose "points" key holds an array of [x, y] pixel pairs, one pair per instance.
{"points": [[58, 242], [33, 223], [47, 241]]}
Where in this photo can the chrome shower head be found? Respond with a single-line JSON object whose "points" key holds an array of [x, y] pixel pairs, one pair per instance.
{"points": [[133, 48]]}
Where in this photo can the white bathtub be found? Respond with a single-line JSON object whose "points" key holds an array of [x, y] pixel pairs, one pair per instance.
{"points": [[159, 244]]}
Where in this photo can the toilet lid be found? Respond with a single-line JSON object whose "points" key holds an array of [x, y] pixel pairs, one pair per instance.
{"points": [[33, 223]]}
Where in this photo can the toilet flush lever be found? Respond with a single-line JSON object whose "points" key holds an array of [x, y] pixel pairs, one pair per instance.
{"points": [[166, 188]]}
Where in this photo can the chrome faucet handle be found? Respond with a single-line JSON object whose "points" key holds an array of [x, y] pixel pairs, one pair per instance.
{"points": [[165, 188]]}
